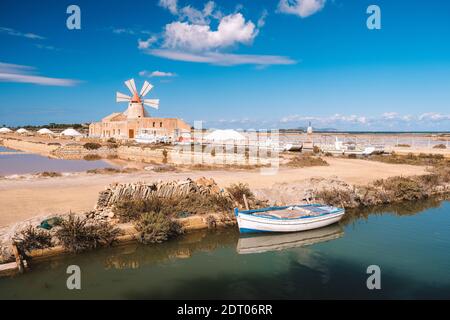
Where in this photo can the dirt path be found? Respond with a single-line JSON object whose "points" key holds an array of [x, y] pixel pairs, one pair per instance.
{"points": [[23, 199]]}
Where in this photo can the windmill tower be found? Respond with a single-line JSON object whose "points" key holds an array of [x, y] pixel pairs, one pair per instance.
{"points": [[136, 102]]}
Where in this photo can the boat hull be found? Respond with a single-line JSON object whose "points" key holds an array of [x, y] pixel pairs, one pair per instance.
{"points": [[249, 223]]}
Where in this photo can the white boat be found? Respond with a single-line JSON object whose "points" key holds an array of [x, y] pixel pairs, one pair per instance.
{"points": [[281, 241], [287, 218], [351, 148]]}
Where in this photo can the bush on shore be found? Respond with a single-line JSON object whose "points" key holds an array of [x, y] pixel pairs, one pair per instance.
{"points": [[390, 190], [156, 227], [32, 238], [421, 159], [191, 204], [92, 145], [80, 234], [306, 160], [238, 190]]}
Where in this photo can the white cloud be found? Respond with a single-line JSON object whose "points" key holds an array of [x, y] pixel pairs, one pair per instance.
{"points": [[222, 59], [171, 5], [262, 20], [434, 116], [16, 33], [385, 120], [232, 29], [156, 73], [191, 38], [23, 74], [145, 44], [301, 8]]}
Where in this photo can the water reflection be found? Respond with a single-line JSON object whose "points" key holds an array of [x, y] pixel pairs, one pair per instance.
{"points": [[275, 242]]}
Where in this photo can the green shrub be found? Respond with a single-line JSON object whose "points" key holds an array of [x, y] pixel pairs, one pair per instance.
{"points": [[156, 227]]}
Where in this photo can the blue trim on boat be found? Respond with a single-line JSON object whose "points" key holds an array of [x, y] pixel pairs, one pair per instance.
{"points": [[251, 212], [246, 230]]}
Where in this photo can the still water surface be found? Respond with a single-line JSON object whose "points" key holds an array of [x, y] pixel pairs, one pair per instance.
{"points": [[20, 163], [410, 243]]}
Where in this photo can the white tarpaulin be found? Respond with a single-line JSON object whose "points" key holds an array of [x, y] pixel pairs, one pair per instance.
{"points": [[225, 135], [71, 132]]}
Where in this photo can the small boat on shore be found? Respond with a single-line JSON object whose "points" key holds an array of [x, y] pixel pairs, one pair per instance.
{"points": [[287, 218]]}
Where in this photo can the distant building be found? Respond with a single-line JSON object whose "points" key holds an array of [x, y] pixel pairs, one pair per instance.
{"points": [[136, 120]]}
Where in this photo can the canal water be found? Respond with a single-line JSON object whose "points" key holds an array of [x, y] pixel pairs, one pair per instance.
{"points": [[21, 163], [410, 243]]}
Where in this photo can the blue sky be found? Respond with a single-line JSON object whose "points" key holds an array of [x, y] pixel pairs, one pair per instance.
{"points": [[236, 64]]}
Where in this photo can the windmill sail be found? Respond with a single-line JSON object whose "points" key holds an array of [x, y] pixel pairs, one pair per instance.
{"points": [[131, 86], [154, 103], [120, 97], [145, 89]]}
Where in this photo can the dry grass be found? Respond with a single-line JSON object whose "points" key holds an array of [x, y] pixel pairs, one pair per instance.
{"points": [[92, 157], [306, 160], [77, 234], [412, 159], [390, 190], [238, 190], [164, 168], [192, 204], [92, 145], [403, 145], [32, 238], [49, 174], [111, 170]]}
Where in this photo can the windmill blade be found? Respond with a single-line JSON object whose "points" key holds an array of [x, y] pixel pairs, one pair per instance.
{"points": [[146, 88], [154, 103], [120, 97], [131, 86]]}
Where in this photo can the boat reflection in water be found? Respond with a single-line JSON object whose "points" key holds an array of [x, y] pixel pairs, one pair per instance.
{"points": [[276, 242]]}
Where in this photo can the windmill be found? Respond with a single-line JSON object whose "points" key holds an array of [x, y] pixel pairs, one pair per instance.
{"points": [[136, 102]]}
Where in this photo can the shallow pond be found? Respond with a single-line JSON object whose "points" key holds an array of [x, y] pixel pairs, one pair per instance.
{"points": [[410, 243], [21, 163]]}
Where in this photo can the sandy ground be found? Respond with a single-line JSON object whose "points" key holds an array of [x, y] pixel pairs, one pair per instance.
{"points": [[23, 199]]}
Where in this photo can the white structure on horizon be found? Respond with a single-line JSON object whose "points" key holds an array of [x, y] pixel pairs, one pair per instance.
{"points": [[71, 133], [45, 131], [227, 135], [5, 130], [22, 130]]}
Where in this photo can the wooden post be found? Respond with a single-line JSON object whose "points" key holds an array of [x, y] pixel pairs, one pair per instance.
{"points": [[18, 258], [246, 203]]}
